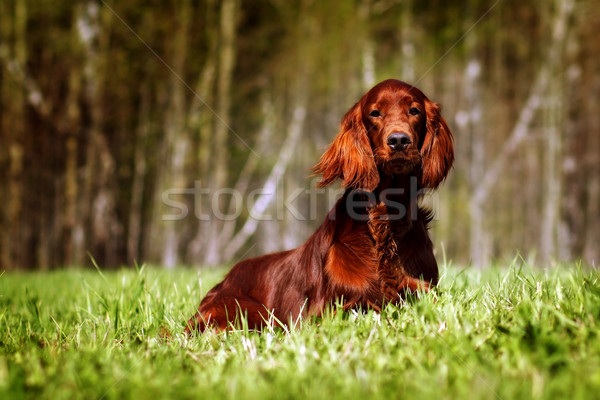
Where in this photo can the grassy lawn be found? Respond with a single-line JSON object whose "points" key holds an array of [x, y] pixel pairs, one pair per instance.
{"points": [[500, 333]]}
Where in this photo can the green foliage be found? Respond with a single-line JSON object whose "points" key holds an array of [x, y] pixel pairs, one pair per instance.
{"points": [[502, 333]]}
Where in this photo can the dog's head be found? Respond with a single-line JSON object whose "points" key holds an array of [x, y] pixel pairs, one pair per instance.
{"points": [[395, 130]]}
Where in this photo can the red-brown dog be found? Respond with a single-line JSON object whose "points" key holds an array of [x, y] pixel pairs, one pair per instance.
{"points": [[373, 245]]}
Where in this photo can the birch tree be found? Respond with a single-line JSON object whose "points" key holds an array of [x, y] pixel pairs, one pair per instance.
{"points": [[221, 132], [176, 141], [98, 202], [554, 118]]}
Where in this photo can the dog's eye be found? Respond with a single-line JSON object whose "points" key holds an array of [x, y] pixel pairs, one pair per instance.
{"points": [[375, 114], [414, 111]]}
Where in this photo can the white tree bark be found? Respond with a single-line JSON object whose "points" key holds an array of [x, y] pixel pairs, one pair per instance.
{"points": [[367, 47], [479, 237], [139, 176], [408, 45], [220, 163], [550, 245], [176, 139], [200, 120]]}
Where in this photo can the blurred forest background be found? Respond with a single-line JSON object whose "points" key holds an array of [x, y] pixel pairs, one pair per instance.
{"points": [[114, 113]]}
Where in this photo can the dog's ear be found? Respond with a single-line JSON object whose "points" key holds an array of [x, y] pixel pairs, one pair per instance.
{"points": [[437, 150], [350, 156]]}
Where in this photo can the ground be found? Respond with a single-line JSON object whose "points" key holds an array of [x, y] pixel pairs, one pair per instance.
{"points": [[505, 333]]}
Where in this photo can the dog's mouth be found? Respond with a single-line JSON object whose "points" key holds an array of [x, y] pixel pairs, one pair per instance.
{"points": [[402, 163]]}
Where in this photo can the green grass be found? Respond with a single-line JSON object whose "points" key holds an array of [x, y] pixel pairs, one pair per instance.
{"points": [[501, 333]]}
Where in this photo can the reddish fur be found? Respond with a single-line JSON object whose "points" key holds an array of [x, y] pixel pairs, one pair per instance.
{"points": [[365, 261], [350, 156], [438, 150]]}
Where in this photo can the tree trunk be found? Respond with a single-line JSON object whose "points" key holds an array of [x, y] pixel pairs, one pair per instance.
{"points": [[367, 47], [5, 95], [139, 176], [408, 46], [479, 241], [176, 136], [201, 121], [550, 246], [98, 196], [221, 136], [12, 256], [591, 248], [71, 237]]}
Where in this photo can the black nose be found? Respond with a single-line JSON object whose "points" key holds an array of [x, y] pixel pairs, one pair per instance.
{"points": [[398, 141]]}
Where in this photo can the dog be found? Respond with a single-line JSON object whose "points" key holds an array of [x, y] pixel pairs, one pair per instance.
{"points": [[373, 246]]}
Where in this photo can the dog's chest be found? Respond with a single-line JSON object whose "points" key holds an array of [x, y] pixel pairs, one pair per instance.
{"points": [[387, 232]]}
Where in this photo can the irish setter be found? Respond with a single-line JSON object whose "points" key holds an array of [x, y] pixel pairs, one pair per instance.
{"points": [[373, 246]]}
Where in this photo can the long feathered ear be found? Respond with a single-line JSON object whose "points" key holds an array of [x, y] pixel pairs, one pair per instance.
{"points": [[350, 156], [438, 148]]}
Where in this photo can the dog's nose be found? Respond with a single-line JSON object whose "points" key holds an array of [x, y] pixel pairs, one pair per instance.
{"points": [[398, 141]]}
